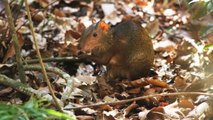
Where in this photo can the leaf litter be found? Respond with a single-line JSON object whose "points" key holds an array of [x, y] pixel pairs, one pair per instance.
{"points": [[181, 63]]}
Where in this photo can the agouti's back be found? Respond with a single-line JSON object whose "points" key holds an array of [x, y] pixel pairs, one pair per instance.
{"points": [[125, 49]]}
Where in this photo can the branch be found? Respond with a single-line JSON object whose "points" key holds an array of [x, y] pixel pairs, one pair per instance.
{"points": [[142, 97], [19, 86], [70, 80], [4, 80], [39, 57], [55, 59], [15, 41]]}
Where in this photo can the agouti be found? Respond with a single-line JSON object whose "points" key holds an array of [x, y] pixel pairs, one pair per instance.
{"points": [[126, 49]]}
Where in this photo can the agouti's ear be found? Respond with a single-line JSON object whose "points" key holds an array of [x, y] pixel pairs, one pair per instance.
{"points": [[103, 26]]}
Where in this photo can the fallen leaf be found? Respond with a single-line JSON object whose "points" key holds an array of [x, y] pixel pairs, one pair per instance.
{"points": [[130, 108], [44, 3], [156, 114], [134, 91], [11, 51], [179, 82], [85, 117], [37, 16], [89, 110], [112, 113], [185, 103], [173, 111], [108, 8], [5, 91], [157, 82], [199, 110], [73, 34], [141, 3], [6, 65], [59, 13], [81, 27], [142, 115], [150, 91], [68, 50], [105, 108], [136, 83]]}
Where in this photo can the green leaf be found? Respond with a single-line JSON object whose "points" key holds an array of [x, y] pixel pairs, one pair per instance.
{"points": [[210, 6], [207, 47], [59, 114]]}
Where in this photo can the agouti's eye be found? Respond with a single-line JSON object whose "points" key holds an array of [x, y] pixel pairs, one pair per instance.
{"points": [[94, 34]]}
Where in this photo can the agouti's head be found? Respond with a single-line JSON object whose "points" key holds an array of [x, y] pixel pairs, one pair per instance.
{"points": [[96, 39]]}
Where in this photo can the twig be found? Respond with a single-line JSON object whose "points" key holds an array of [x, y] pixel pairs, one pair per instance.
{"points": [[4, 80], [16, 43], [70, 80], [55, 70], [40, 59], [142, 97], [55, 59]]}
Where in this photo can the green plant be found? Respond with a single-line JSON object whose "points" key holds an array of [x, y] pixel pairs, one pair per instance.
{"points": [[31, 110]]}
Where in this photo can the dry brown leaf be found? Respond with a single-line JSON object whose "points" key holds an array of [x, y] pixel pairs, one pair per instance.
{"points": [[72, 33], [154, 100], [150, 91], [185, 103], [105, 107], [156, 114], [136, 83], [163, 104], [5, 91], [130, 108], [68, 50], [169, 59], [201, 85], [141, 3], [85, 117], [11, 51], [179, 82], [81, 27], [59, 13], [134, 91], [37, 16], [157, 82], [44, 3], [110, 115]]}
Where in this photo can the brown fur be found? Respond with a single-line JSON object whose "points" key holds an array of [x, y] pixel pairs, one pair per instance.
{"points": [[125, 49]]}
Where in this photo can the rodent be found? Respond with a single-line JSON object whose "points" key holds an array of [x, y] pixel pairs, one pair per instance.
{"points": [[126, 49]]}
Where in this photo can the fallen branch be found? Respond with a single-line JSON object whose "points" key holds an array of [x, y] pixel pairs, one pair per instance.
{"points": [[140, 98], [35, 42], [55, 59], [70, 80], [15, 41], [4, 80]]}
